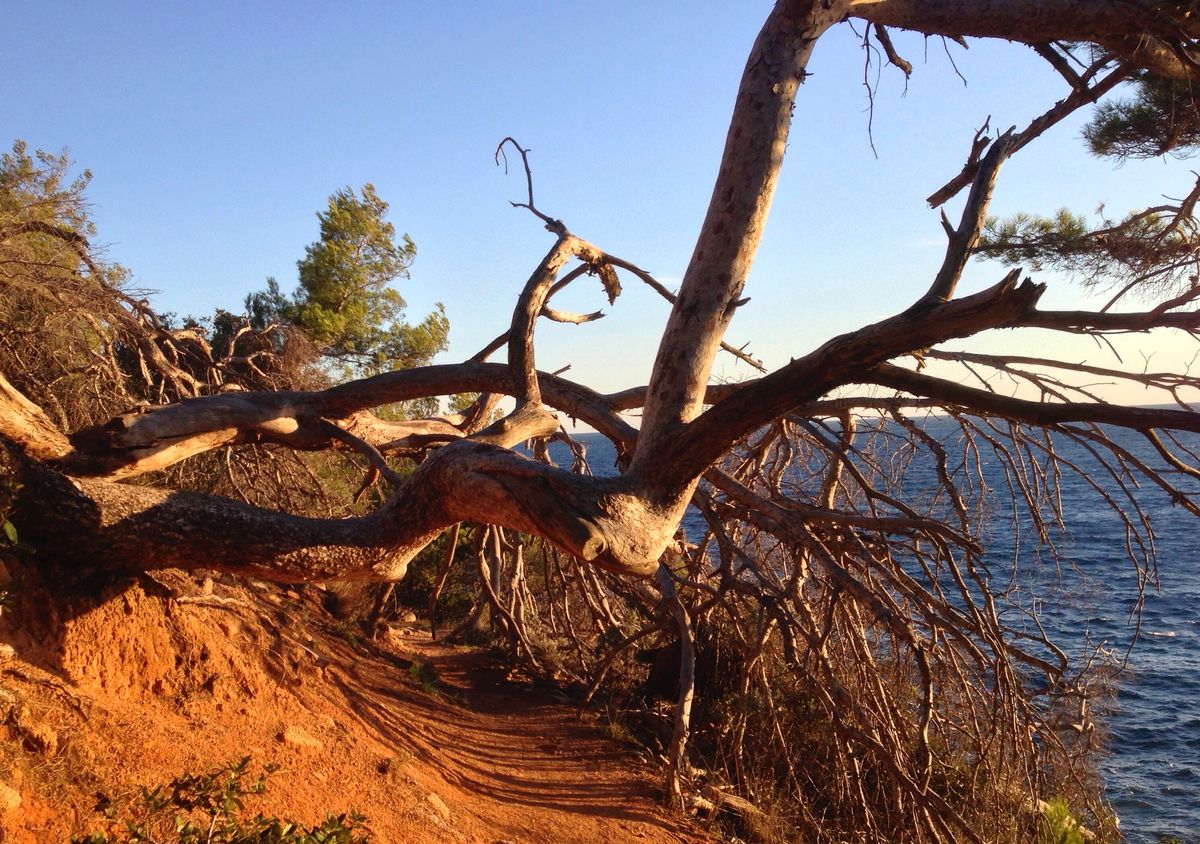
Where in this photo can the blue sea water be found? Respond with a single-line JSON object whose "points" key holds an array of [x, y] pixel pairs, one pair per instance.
{"points": [[1152, 770]]}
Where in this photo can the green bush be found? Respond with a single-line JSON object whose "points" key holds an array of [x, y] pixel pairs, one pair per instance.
{"points": [[1059, 825], [208, 809]]}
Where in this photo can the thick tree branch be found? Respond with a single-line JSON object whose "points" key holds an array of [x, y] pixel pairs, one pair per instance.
{"points": [[1032, 412], [835, 363], [965, 238], [479, 479], [529, 308], [1094, 322], [153, 438], [737, 212], [117, 527], [1142, 33], [24, 423]]}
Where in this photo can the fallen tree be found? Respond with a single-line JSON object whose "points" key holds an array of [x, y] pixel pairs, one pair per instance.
{"points": [[812, 549]]}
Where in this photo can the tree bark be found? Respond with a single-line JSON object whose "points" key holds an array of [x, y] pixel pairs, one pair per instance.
{"points": [[622, 523], [24, 423], [1148, 35], [732, 228]]}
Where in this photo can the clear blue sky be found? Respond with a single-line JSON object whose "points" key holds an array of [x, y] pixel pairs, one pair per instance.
{"points": [[217, 130]]}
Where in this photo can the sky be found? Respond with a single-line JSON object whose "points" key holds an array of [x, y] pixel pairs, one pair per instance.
{"points": [[216, 131]]}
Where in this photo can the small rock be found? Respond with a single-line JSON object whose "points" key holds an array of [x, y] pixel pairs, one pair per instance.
{"points": [[10, 798], [7, 652], [438, 804], [299, 737], [408, 618]]}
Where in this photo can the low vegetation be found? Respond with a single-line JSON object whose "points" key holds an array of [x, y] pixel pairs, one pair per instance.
{"points": [[210, 809]]}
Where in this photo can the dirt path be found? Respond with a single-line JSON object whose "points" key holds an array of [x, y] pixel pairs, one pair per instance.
{"points": [[144, 687], [519, 760]]}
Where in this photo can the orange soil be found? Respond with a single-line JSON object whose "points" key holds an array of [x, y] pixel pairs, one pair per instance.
{"points": [[152, 683]]}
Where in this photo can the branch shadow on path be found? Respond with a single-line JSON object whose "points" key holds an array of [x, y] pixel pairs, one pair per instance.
{"points": [[497, 739]]}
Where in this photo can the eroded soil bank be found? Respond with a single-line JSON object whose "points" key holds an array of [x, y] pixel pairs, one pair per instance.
{"points": [[175, 675]]}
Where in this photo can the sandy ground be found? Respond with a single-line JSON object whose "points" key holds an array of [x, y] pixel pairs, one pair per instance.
{"points": [[176, 675]]}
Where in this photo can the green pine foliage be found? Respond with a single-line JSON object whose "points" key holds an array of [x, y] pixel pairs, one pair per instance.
{"points": [[1035, 242], [346, 302], [1161, 118], [64, 340], [39, 188], [1059, 825], [1157, 248]]}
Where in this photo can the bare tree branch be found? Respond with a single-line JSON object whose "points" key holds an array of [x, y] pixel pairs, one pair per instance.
{"points": [[1073, 102]]}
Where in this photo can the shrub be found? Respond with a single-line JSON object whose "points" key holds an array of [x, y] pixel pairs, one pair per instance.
{"points": [[209, 808]]}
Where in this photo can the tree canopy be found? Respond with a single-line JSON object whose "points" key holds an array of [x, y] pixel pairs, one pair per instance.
{"points": [[345, 301], [924, 697]]}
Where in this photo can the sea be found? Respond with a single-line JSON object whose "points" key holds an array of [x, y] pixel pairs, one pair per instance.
{"points": [[1152, 765]]}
